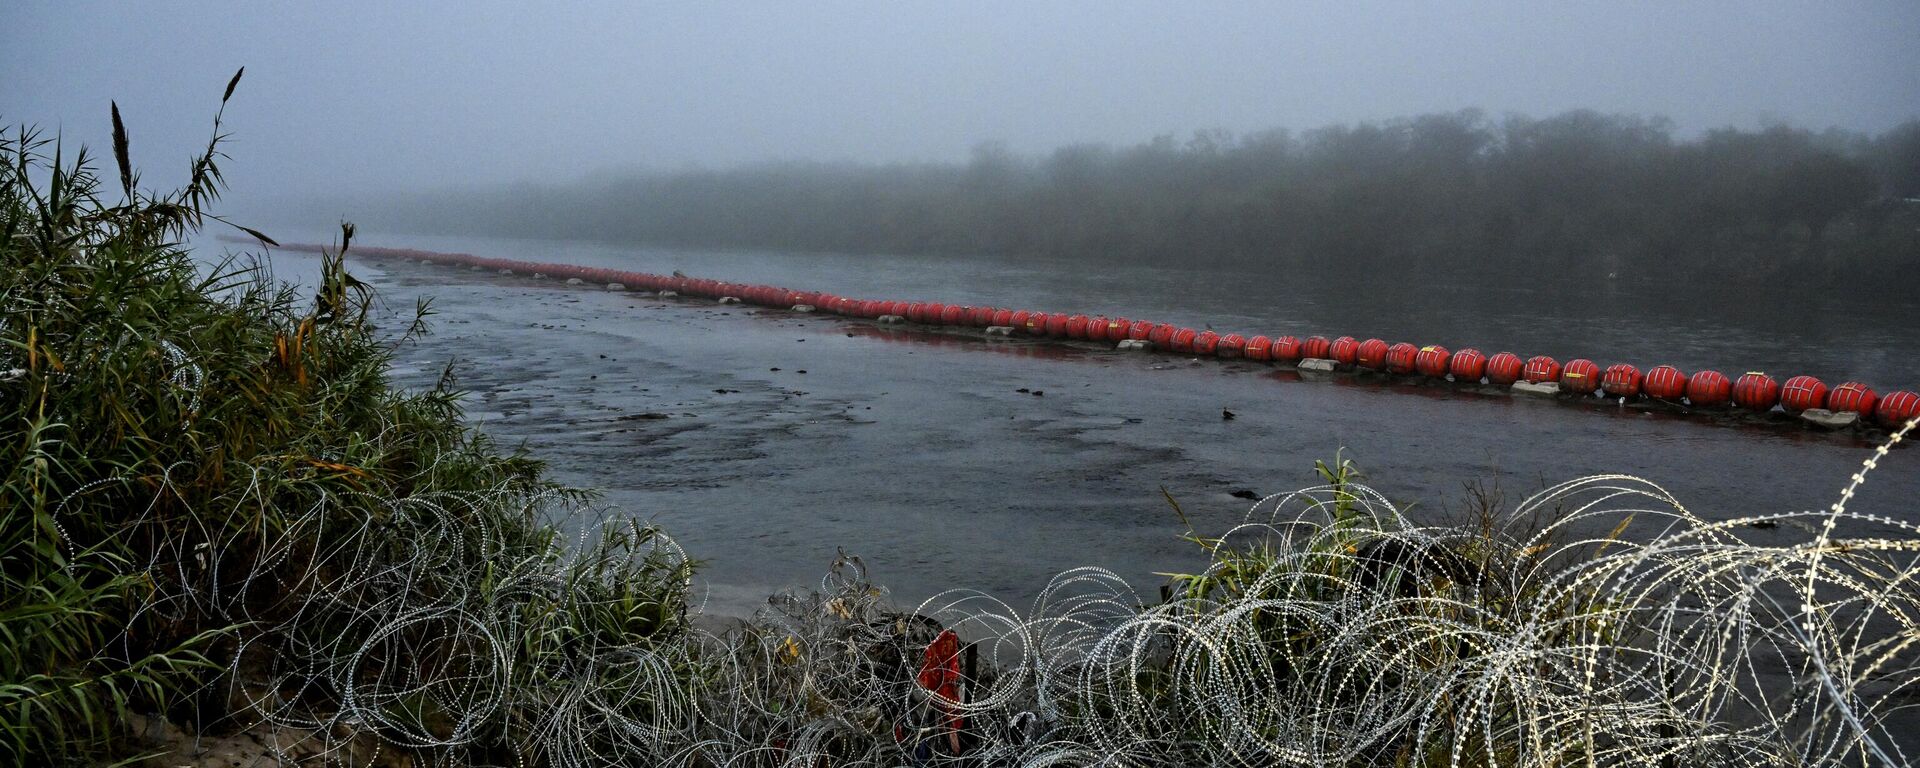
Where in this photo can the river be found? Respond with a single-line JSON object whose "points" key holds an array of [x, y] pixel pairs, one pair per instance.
{"points": [[766, 441]]}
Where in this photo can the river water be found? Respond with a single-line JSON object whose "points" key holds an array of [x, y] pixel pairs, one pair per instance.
{"points": [[767, 441]]}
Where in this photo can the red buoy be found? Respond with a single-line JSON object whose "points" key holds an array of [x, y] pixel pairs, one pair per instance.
{"points": [[1345, 350], [1001, 317], [1162, 335], [1057, 324], [1468, 366], [1504, 369], [1076, 326], [1287, 349], [1541, 369], [1183, 340], [1432, 360], [1581, 376], [893, 308], [917, 312], [1230, 345], [1205, 342], [1801, 393], [953, 315], [1313, 347], [1097, 328], [980, 317], [1117, 328], [1852, 396], [1709, 389], [1371, 354], [1664, 382], [1257, 348], [1019, 319], [1036, 324], [1756, 391], [1400, 358], [1621, 380], [1898, 408], [1140, 330]]}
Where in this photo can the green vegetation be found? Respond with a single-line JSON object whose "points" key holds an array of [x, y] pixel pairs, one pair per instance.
{"points": [[216, 508], [1577, 196]]}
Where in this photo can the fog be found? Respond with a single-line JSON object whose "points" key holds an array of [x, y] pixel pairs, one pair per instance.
{"points": [[359, 96]]}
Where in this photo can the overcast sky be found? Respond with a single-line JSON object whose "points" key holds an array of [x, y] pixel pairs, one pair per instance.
{"points": [[399, 95]]}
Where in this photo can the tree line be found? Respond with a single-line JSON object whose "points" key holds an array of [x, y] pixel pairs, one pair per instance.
{"points": [[1579, 195]]}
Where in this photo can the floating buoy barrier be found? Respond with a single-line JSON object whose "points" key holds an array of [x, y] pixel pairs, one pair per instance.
{"points": [[1850, 405]]}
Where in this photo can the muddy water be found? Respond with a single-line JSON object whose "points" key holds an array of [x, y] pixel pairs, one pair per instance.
{"points": [[766, 441]]}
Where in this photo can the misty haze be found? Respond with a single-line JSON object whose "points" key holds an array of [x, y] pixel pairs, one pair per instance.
{"points": [[976, 384]]}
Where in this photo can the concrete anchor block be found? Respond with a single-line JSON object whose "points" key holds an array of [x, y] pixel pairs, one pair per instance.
{"points": [[803, 307], [999, 330], [1134, 345], [1538, 389], [891, 320], [729, 299], [506, 271], [615, 287], [477, 268], [1830, 419], [669, 294], [575, 281], [539, 276], [426, 262], [1318, 364]]}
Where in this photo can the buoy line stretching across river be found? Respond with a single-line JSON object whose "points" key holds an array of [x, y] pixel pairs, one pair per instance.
{"points": [[1851, 405]]}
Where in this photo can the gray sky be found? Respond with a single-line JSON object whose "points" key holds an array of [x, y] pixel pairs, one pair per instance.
{"points": [[398, 95]]}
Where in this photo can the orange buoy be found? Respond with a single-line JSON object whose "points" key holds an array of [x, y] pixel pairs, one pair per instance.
{"points": [[916, 312], [1664, 382], [1258, 348], [1315, 347], [1756, 391], [1432, 361], [1468, 365], [1036, 324], [1344, 350], [1001, 317], [1162, 335], [896, 307], [1581, 376], [1057, 324], [1019, 319], [1898, 408], [1621, 380], [1230, 345], [980, 316], [1205, 342], [1852, 396], [1541, 369], [953, 315], [1183, 340], [1709, 389], [1076, 326], [1097, 328], [1118, 328], [1140, 330], [1801, 393], [1400, 358], [1371, 354], [1504, 369]]}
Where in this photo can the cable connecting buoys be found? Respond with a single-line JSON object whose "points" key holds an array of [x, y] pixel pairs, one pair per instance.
{"points": [[1621, 380], [1541, 369], [1372, 354], [1664, 382], [1433, 361], [1708, 389], [1756, 391], [1400, 358], [1802, 393], [1852, 396], [1468, 366], [1897, 408], [1580, 376], [1505, 368]]}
